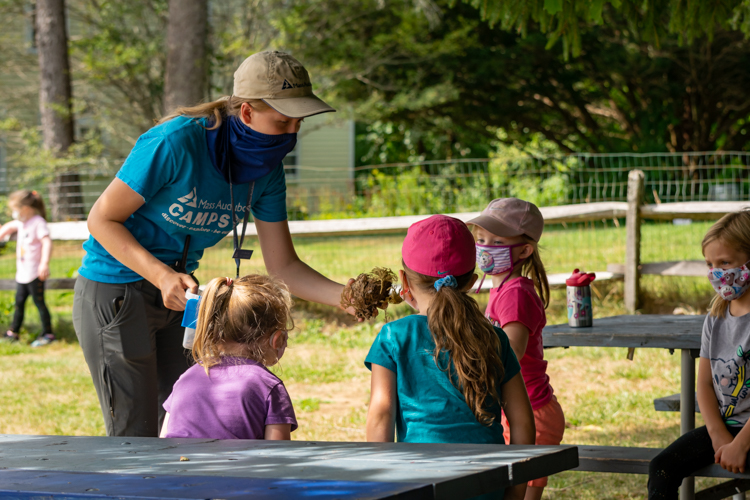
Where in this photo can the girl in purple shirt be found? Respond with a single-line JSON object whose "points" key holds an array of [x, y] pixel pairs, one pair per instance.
{"points": [[230, 393]]}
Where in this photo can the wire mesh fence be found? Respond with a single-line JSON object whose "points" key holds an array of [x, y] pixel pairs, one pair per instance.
{"points": [[466, 185]]}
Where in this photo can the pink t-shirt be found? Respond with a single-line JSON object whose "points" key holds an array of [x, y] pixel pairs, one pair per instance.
{"points": [[517, 301], [29, 247]]}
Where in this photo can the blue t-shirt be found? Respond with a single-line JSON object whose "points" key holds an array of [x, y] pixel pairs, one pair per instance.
{"points": [[430, 408], [184, 194]]}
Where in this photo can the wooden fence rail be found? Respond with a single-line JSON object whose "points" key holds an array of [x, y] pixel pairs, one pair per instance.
{"points": [[633, 211]]}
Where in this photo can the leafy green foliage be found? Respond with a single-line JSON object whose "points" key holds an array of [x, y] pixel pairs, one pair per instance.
{"points": [[35, 166], [119, 48], [652, 20], [444, 84]]}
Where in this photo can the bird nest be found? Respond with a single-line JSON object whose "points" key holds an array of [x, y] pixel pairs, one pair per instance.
{"points": [[370, 292]]}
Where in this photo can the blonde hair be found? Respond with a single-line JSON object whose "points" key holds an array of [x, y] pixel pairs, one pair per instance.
{"points": [[734, 230], [26, 198], [459, 328], [217, 110], [243, 312], [533, 268]]}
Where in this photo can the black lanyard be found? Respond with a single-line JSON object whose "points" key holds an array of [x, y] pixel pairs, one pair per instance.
{"points": [[239, 253]]}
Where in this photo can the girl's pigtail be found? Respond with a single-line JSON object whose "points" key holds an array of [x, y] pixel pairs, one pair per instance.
{"points": [[533, 268], [211, 318], [26, 198], [37, 203], [460, 329]]}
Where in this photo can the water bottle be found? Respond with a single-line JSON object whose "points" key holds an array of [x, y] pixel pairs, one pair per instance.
{"points": [[190, 318], [580, 313]]}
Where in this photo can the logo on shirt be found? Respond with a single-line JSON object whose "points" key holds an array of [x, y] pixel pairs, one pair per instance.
{"points": [[190, 199], [731, 380], [196, 214]]}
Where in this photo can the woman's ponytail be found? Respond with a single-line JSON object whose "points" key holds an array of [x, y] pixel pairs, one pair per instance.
{"points": [[460, 329]]}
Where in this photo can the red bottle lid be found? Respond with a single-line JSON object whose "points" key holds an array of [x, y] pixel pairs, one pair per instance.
{"points": [[580, 279]]}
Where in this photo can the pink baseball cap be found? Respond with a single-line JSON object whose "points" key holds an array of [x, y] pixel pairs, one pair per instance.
{"points": [[511, 217], [439, 246]]}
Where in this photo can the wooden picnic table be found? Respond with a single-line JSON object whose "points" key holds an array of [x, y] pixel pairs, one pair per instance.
{"points": [[130, 467], [647, 330]]}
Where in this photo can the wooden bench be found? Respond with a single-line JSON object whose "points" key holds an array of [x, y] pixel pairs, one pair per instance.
{"points": [[628, 460], [672, 403]]}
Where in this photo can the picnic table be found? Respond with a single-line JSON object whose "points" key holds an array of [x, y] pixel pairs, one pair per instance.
{"points": [[130, 467], [647, 330]]}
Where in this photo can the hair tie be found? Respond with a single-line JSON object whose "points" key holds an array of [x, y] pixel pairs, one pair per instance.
{"points": [[230, 281], [34, 193], [448, 281]]}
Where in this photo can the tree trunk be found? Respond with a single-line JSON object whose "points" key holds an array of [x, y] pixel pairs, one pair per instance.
{"points": [[187, 30], [55, 105]]}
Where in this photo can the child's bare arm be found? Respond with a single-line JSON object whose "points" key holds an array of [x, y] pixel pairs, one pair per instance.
{"points": [[733, 456], [44, 262], [163, 432], [518, 335], [278, 432], [8, 229], [710, 407], [730, 452], [381, 415], [520, 417]]}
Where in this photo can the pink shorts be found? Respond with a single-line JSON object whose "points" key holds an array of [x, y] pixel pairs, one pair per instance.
{"points": [[550, 426]]}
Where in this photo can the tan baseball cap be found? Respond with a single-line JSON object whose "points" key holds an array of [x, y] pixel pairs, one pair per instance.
{"points": [[281, 82], [511, 217]]}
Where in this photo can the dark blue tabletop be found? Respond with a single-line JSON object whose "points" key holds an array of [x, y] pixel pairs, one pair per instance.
{"points": [[116, 467]]}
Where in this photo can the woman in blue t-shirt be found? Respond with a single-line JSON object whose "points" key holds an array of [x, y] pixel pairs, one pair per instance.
{"points": [[176, 194]]}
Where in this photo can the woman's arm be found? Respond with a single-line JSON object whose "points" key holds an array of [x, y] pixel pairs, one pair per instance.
{"points": [[105, 222], [381, 415], [517, 410], [278, 432], [44, 263], [282, 261], [518, 335]]}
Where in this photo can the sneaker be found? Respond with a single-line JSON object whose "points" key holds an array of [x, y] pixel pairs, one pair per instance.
{"points": [[42, 340], [10, 336]]}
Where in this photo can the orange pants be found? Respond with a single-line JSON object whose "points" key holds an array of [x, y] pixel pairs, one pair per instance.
{"points": [[550, 426]]}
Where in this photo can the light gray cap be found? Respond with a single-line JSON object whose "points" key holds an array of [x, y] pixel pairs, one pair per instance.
{"points": [[280, 81]]}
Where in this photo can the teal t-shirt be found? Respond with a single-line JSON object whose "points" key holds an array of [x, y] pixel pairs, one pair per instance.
{"points": [[430, 408], [184, 194]]}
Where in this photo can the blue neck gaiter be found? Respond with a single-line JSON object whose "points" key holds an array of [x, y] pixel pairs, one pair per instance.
{"points": [[251, 154]]}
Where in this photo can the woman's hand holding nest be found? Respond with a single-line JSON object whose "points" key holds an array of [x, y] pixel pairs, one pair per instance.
{"points": [[370, 292]]}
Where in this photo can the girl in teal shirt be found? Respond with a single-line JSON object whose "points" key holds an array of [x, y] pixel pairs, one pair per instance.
{"points": [[445, 374]]}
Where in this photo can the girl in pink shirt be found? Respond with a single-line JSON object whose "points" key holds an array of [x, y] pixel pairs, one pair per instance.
{"points": [[507, 235], [33, 249]]}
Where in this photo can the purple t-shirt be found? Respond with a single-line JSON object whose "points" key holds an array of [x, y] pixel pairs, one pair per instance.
{"points": [[236, 400]]}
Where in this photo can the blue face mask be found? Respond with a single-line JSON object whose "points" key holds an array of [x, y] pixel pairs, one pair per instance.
{"points": [[251, 154]]}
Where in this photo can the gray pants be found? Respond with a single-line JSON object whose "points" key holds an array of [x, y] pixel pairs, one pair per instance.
{"points": [[135, 357]]}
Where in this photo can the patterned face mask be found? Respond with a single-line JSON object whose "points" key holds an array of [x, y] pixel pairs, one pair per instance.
{"points": [[496, 259], [731, 283]]}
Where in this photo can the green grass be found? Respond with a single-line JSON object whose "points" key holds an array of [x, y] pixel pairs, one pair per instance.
{"points": [[307, 404]]}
